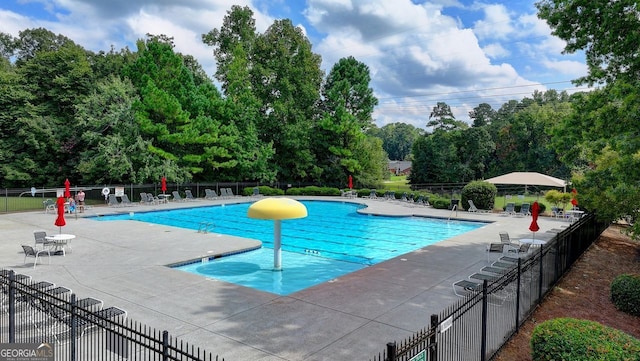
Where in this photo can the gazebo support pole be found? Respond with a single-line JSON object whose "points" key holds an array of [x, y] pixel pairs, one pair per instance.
{"points": [[277, 245]]}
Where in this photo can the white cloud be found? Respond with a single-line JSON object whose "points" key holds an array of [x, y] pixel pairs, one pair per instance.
{"points": [[495, 51], [569, 68], [496, 24]]}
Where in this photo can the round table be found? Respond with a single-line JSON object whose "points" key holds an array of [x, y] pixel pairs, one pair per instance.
{"points": [[533, 242], [60, 241], [164, 197]]}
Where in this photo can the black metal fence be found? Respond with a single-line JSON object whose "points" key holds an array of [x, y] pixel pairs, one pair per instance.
{"points": [[81, 329], [476, 327], [31, 199]]}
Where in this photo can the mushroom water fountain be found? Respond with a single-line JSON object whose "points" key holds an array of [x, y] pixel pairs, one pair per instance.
{"points": [[277, 209]]}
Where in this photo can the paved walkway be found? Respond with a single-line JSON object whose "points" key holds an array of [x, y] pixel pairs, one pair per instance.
{"points": [[351, 318]]}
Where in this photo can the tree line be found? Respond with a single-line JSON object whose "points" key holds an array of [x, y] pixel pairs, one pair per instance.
{"points": [[123, 116]]}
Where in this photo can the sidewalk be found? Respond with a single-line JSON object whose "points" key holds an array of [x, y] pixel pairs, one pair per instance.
{"points": [[351, 318]]}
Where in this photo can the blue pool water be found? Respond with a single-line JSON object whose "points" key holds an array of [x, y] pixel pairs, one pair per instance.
{"points": [[332, 241]]}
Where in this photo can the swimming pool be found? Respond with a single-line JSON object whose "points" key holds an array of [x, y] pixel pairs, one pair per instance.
{"points": [[333, 240]]}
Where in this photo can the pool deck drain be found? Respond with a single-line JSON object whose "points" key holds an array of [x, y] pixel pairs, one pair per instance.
{"points": [[349, 318]]}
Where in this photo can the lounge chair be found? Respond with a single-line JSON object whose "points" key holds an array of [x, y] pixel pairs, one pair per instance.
{"points": [[468, 286], [63, 323], [210, 194], [125, 201], [508, 242], [256, 192], [41, 240], [524, 248], [509, 209], [177, 197], [49, 205], [494, 248], [188, 195], [473, 208], [496, 270], [484, 277], [29, 251], [230, 193], [524, 210], [113, 201], [372, 195], [151, 199], [557, 212]]}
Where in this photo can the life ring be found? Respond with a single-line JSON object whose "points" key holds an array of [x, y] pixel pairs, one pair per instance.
{"points": [[105, 191]]}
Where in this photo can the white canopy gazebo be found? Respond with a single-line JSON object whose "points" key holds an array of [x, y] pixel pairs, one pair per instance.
{"points": [[529, 178]]}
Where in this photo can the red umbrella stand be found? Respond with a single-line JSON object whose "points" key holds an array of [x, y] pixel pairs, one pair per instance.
{"points": [[60, 222], [163, 184], [350, 181], [535, 209], [67, 189]]}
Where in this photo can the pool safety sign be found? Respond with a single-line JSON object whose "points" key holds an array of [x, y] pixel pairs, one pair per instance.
{"points": [[26, 352]]}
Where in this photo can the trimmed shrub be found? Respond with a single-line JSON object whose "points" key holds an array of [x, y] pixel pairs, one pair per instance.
{"points": [[573, 339], [313, 191], [625, 293], [440, 203], [482, 193], [264, 190]]}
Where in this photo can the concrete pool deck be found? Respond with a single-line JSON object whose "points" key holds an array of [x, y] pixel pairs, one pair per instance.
{"points": [[351, 318]]}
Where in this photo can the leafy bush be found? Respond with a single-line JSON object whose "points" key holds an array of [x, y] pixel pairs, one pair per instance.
{"points": [[264, 190], [573, 339], [313, 191], [440, 203], [483, 195], [625, 293]]}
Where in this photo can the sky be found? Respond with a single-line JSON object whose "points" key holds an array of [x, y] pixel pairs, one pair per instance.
{"points": [[418, 52]]}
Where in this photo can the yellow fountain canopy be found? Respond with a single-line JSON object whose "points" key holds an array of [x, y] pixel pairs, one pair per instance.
{"points": [[276, 209]]}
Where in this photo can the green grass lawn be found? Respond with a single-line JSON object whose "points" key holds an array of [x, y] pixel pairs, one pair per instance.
{"points": [[397, 183], [20, 204]]}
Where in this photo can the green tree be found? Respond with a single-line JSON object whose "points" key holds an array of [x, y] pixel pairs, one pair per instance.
{"points": [[25, 135], [348, 103], [180, 118], [233, 45], [475, 147], [286, 78], [603, 126], [56, 72], [435, 158], [233, 42], [441, 117], [482, 115], [608, 32], [397, 139], [605, 156], [115, 151]]}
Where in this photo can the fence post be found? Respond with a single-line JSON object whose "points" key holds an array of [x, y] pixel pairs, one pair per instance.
{"points": [[74, 321], [165, 345], [518, 293], [391, 351], [540, 280], [483, 346], [12, 306], [433, 343]]}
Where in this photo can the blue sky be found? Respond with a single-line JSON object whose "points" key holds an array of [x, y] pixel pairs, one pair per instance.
{"points": [[419, 52]]}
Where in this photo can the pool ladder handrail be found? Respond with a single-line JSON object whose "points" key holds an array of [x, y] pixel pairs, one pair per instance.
{"points": [[453, 209], [205, 227]]}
